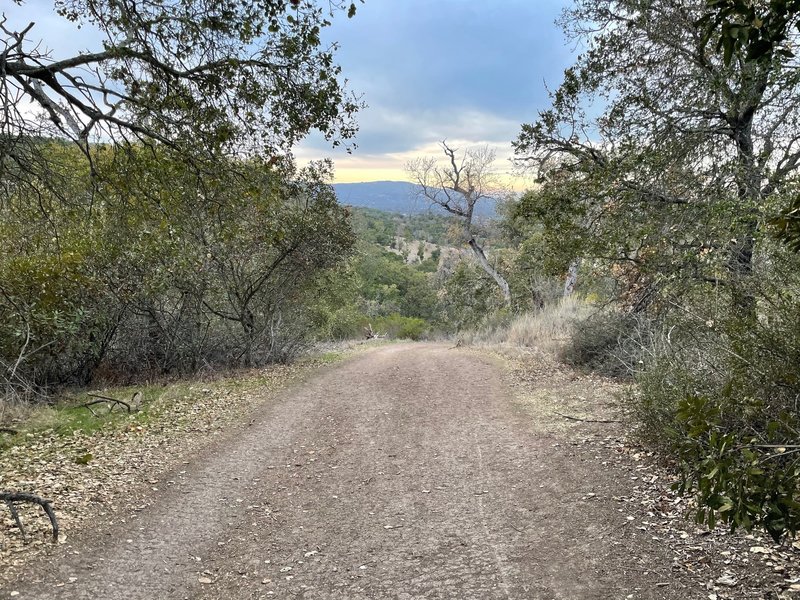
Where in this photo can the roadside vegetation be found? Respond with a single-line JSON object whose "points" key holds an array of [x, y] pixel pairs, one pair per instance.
{"points": [[679, 194]]}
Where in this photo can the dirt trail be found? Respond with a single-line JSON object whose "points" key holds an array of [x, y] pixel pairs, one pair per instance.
{"points": [[406, 472]]}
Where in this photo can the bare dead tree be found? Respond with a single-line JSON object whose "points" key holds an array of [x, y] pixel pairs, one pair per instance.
{"points": [[458, 187]]}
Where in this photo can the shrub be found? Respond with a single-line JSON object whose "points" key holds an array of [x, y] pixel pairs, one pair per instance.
{"points": [[609, 342], [399, 327], [720, 395]]}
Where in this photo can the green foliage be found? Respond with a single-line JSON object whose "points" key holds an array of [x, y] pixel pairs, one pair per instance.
{"points": [[392, 286], [468, 297], [719, 392], [169, 270], [756, 30], [380, 227], [200, 78], [397, 326], [739, 480]]}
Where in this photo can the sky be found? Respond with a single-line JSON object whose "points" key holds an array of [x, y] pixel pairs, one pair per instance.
{"points": [[466, 71]]}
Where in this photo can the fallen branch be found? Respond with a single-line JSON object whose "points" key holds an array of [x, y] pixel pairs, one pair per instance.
{"points": [[371, 334], [105, 400], [587, 420], [8, 430], [11, 497]]}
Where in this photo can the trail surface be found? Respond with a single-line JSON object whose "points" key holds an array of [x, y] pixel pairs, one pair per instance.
{"points": [[406, 472]]}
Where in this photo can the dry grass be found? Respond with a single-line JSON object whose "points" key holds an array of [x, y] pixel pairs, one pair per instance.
{"points": [[546, 330], [13, 412]]}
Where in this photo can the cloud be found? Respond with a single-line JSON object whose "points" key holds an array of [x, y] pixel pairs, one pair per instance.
{"points": [[418, 54], [450, 69], [386, 130], [462, 70], [390, 166]]}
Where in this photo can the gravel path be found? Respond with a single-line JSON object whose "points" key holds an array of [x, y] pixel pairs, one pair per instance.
{"points": [[406, 472]]}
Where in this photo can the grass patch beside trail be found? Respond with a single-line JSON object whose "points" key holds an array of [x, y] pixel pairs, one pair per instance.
{"points": [[66, 416], [545, 330]]}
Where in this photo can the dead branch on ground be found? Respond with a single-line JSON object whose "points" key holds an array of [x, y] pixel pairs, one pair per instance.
{"points": [[10, 498], [112, 402], [571, 418]]}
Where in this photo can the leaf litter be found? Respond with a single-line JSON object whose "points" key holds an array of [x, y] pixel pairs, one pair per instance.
{"points": [[718, 564], [89, 476]]}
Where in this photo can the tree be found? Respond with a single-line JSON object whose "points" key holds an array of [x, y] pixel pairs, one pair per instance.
{"points": [[760, 31], [202, 78], [679, 174], [665, 154], [458, 187]]}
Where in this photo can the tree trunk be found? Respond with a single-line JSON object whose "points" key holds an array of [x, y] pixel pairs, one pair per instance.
{"points": [[484, 263], [248, 328], [572, 277], [742, 246]]}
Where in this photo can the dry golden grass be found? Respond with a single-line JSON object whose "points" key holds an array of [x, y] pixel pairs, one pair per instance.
{"points": [[545, 330]]}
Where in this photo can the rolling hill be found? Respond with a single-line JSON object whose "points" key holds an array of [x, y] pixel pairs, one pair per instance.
{"points": [[394, 196]]}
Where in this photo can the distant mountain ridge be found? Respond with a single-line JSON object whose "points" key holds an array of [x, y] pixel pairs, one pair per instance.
{"points": [[394, 196]]}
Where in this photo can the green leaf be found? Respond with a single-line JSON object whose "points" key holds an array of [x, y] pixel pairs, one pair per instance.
{"points": [[84, 459]]}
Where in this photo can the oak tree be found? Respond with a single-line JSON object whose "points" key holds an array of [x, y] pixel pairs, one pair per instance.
{"points": [[682, 167], [203, 78]]}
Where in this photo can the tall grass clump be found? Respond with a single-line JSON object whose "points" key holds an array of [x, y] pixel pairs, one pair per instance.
{"points": [[546, 329]]}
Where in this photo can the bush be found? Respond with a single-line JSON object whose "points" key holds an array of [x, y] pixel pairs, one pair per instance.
{"points": [[397, 326], [720, 395], [611, 343]]}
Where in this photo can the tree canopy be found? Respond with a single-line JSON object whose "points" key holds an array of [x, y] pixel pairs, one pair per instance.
{"points": [[690, 157], [669, 148], [232, 76], [754, 30]]}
